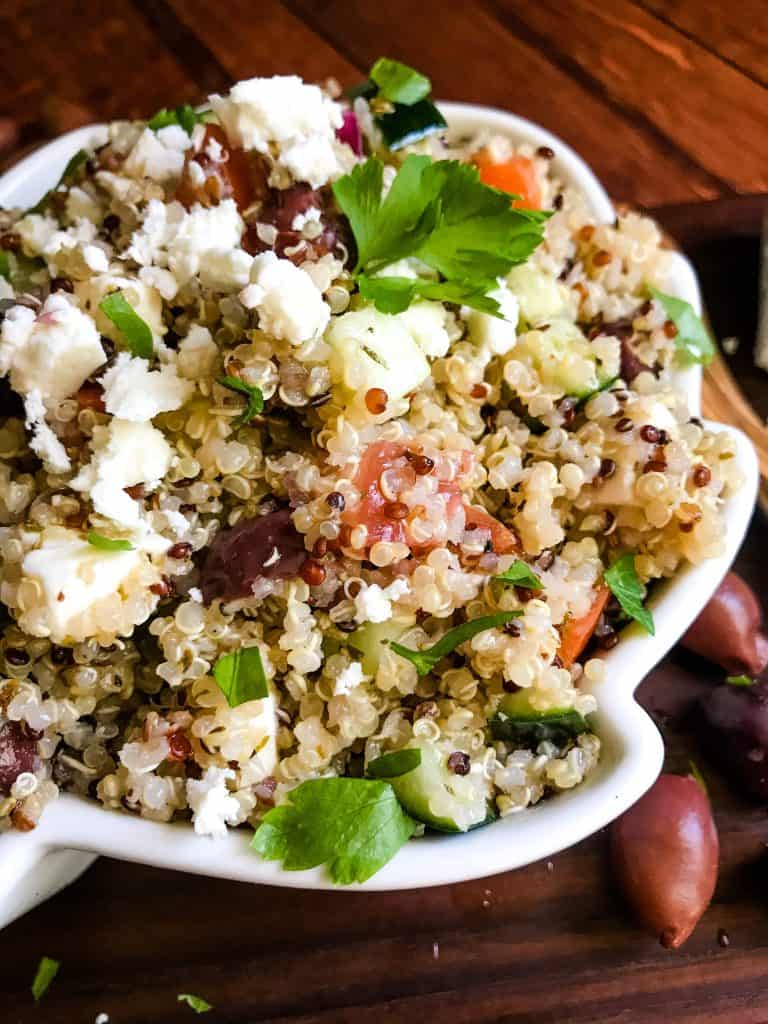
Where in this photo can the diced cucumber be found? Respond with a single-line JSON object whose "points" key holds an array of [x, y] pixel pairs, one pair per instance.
{"points": [[435, 795], [517, 722], [564, 358], [373, 350], [538, 293], [373, 638]]}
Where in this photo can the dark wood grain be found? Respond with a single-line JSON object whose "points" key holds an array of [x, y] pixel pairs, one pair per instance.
{"points": [[552, 942], [737, 33], [653, 71]]}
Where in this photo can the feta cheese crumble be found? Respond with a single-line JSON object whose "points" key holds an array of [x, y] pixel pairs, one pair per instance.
{"points": [[374, 603], [213, 806], [348, 679], [289, 304], [132, 391], [52, 352], [283, 111], [71, 576], [124, 454], [44, 441]]}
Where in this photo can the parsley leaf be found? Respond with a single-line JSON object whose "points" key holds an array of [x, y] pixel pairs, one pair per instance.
{"points": [[624, 584], [241, 677], [394, 294], [185, 116], [693, 342], [354, 826], [739, 681], [72, 165], [442, 214], [398, 83], [97, 540], [198, 1004], [125, 318], [398, 762], [426, 660], [255, 398], [521, 575], [47, 970]]}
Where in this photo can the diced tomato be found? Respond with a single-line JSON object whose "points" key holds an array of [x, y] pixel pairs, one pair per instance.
{"points": [[503, 539], [516, 175], [575, 633], [372, 510], [234, 175]]}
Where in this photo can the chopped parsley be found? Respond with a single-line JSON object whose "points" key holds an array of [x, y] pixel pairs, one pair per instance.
{"points": [[255, 403], [426, 660], [197, 1003], [442, 214], [520, 574], [624, 584], [398, 762], [185, 116], [241, 677], [398, 83], [353, 826], [47, 970], [693, 342], [136, 331], [739, 681], [98, 540]]}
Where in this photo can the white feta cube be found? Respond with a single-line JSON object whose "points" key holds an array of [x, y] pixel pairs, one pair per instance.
{"points": [[132, 391]]}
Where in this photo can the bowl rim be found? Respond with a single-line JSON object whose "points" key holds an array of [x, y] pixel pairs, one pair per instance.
{"points": [[633, 749]]}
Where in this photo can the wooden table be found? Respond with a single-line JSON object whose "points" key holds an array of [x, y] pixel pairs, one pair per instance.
{"points": [[667, 100]]}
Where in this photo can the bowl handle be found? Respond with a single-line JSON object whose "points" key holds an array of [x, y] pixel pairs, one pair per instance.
{"points": [[32, 870]]}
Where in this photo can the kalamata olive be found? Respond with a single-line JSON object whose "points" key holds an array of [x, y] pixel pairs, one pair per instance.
{"points": [[631, 363], [665, 851], [733, 724], [265, 547], [280, 210], [729, 631], [17, 754]]}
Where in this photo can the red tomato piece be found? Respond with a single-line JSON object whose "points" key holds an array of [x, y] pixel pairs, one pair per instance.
{"points": [[503, 539], [575, 633]]}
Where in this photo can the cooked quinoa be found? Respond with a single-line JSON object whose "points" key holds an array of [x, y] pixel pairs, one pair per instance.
{"points": [[367, 501]]}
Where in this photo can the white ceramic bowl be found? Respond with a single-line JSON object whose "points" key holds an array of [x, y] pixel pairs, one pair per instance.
{"points": [[35, 865]]}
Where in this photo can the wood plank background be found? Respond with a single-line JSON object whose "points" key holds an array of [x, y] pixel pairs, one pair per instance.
{"points": [[668, 100]]}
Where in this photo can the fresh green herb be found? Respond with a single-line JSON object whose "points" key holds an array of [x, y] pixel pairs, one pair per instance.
{"points": [[533, 727], [375, 356], [394, 294], [399, 762], [693, 342], [97, 540], [72, 165], [626, 587], [255, 403], [695, 773], [405, 125], [426, 660], [185, 116], [442, 214], [354, 826], [198, 1004], [583, 399], [241, 677], [521, 575], [398, 83], [739, 681], [47, 970], [125, 318]]}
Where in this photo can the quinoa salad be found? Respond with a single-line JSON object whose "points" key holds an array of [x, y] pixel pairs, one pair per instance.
{"points": [[335, 449]]}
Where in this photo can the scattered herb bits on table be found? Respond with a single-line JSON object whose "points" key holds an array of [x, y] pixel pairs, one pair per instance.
{"points": [[347, 447]]}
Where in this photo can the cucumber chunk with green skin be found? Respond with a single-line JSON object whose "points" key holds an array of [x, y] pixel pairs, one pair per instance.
{"points": [[538, 294], [565, 358], [517, 722], [439, 798], [372, 639]]}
